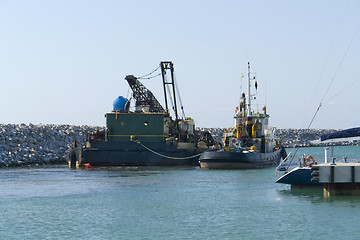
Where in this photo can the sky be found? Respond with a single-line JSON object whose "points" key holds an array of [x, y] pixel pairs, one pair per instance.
{"points": [[64, 62]]}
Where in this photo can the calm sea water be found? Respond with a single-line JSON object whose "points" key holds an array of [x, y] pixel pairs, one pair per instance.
{"points": [[169, 203]]}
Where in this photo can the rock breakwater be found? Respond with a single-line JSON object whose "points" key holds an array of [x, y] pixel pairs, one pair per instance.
{"points": [[291, 138], [30, 144], [22, 144]]}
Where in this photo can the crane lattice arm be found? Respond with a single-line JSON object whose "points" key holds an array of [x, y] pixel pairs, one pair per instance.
{"points": [[143, 96]]}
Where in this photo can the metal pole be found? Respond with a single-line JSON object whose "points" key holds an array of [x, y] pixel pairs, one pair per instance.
{"points": [[163, 72], [327, 155], [249, 113], [173, 86]]}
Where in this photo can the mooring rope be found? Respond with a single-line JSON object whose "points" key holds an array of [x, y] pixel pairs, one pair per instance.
{"points": [[164, 156]]}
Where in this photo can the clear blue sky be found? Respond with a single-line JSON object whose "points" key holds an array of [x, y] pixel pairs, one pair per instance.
{"points": [[65, 61]]}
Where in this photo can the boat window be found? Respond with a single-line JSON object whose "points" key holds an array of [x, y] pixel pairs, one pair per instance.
{"points": [[146, 123]]}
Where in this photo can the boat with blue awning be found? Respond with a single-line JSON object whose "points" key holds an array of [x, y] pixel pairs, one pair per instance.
{"points": [[302, 175]]}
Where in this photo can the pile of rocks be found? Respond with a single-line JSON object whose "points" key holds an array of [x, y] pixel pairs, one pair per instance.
{"points": [[301, 137], [22, 144], [291, 138], [216, 133], [310, 138]]}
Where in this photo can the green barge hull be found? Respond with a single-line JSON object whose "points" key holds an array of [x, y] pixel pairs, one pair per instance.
{"points": [[138, 154]]}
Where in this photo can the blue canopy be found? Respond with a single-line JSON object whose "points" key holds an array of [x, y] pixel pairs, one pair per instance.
{"points": [[351, 132]]}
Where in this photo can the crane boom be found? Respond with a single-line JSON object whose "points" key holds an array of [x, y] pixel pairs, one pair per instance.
{"points": [[143, 96]]}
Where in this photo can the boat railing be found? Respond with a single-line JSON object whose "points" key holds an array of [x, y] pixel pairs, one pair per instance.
{"points": [[258, 109], [96, 136], [281, 168]]}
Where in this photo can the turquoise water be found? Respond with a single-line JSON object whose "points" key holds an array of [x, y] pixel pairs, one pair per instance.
{"points": [[352, 153], [167, 203]]}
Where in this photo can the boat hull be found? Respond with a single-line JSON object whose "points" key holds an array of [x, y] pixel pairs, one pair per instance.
{"points": [[135, 154], [239, 160], [299, 178]]}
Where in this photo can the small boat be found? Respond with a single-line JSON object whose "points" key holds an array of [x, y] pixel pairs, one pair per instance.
{"points": [[302, 175], [251, 143]]}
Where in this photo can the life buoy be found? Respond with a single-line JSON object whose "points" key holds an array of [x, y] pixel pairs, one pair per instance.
{"points": [[87, 166], [309, 160]]}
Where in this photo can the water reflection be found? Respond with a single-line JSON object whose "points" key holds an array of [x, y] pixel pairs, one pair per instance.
{"points": [[59, 180], [316, 195]]}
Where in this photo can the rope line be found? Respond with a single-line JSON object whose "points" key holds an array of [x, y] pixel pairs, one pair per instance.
{"points": [[164, 156], [143, 77], [332, 80], [330, 50], [149, 77], [327, 90], [343, 90], [341, 62], [325, 65]]}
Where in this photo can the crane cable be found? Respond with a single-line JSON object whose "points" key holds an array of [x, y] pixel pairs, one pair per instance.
{"points": [[179, 97], [145, 76], [150, 77]]}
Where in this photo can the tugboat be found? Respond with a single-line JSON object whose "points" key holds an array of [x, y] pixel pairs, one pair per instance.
{"points": [[251, 143], [146, 136]]}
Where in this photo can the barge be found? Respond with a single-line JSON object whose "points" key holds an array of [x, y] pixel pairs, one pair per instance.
{"points": [[145, 134]]}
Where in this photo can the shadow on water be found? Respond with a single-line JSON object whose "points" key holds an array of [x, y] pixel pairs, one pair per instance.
{"points": [[316, 195], [143, 168], [313, 194], [131, 171]]}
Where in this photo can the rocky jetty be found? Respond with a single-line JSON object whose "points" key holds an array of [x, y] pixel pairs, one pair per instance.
{"points": [[22, 144], [291, 138], [216, 133], [29, 144]]}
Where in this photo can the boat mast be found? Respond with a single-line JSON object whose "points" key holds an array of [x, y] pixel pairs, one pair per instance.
{"points": [[249, 96]]}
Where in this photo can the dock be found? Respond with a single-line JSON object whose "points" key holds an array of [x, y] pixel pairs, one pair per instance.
{"points": [[337, 178]]}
